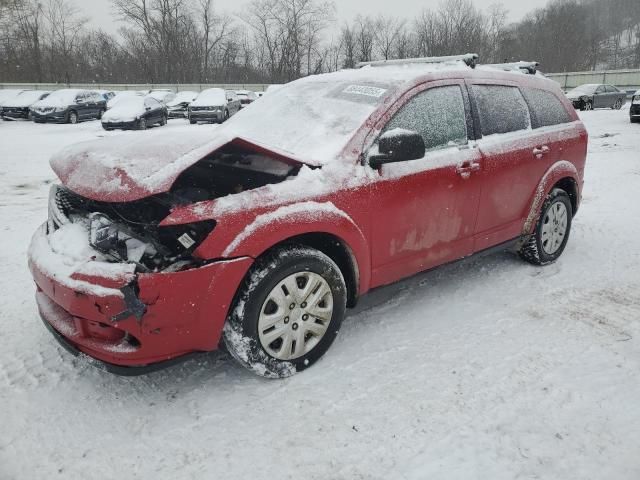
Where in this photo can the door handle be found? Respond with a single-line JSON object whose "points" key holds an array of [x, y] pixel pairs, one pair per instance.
{"points": [[467, 168], [540, 152]]}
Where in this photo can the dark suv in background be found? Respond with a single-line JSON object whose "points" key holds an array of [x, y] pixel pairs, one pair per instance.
{"points": [[634, 112], [69, 106]]}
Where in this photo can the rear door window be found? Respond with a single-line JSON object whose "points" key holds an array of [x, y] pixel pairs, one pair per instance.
{"points": [[612, 89], [501, 108], [546, 109], [438, 114], [600, 89]]}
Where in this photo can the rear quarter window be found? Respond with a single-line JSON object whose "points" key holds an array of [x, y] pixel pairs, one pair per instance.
{"points": [[546, 108], [501, 108]]}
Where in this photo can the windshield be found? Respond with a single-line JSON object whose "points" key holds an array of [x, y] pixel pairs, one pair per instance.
{"points": [[584, 89], [214, 97], [133, 103], [311, 118]]}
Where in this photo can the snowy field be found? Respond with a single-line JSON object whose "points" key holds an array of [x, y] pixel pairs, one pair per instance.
{"points": [[487, 369]]}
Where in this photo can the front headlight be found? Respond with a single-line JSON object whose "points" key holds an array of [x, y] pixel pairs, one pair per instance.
{"points": [[636, 100], [60, 109]]}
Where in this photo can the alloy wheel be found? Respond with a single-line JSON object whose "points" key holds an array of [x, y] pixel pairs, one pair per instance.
{"points": [[554, 228], [295, 315]]}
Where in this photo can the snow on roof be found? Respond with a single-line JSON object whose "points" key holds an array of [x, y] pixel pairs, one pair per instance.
{"points": [[127, 109], [183, 97], [60, 98]]}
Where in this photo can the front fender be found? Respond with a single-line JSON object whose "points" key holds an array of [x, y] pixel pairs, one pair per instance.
{"points": [[247, 234], [558, 171]]}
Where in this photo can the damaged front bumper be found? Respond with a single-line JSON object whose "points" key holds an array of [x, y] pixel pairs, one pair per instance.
{"points": [[132, 320]]}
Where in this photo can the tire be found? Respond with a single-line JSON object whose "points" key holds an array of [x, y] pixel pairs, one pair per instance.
{"points": [[248, 329], [226, 116], [108, 129], [164, 121], [100, 114], [192, 122], [72, 118], [142, 124], [588, 106], [548, 240], [618, 104]]}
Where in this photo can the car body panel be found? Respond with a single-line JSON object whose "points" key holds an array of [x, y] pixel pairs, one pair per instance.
{"points": [[393, 221]]}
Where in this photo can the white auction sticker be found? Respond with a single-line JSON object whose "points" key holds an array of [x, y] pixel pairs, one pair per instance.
{"points": [[186, 241], [364, 90]]}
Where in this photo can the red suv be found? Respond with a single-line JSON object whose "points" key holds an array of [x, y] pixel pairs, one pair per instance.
{"points": [[260, 236]]}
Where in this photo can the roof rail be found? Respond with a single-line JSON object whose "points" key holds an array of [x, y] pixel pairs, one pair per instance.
{"points": [[470, 59], [525, 67]]}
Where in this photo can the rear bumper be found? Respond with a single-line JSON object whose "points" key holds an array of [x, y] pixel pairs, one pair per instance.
{"points": [[183, 312]]}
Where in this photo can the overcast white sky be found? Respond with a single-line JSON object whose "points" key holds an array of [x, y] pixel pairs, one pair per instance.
{"points": [[101, 15]]}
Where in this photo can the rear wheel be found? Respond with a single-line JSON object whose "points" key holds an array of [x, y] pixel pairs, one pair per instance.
{"points": [[552, 230], [588, 106], [287, 313], [618, 104]]}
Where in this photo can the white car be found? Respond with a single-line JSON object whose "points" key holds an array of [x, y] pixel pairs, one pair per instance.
{"points": [[19, 106]]}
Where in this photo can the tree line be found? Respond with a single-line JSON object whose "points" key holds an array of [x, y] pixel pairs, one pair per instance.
{"points": [[275, 41]]}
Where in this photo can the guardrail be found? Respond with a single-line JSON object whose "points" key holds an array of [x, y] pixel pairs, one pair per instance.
{"points": [[198, 87], [624, 79]]}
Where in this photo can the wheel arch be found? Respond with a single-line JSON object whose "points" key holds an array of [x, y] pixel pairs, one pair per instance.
{"points": [[337, 250], [562, 174]]}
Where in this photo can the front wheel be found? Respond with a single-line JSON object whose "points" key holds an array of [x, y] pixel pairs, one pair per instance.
{"points": [[588, 106], [163, 121], [73, 117], [552, 230], [142, 124], [287, 313]]}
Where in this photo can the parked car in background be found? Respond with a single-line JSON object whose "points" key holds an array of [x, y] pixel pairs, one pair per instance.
{"points": [[634, 111], [259, 234], [163, 96], [246, 97], [122, 95], [594, 95], [19, 106], [69, 106], [214, 105], [8, 94], [107, 94], [179, 106], [135, 112]]}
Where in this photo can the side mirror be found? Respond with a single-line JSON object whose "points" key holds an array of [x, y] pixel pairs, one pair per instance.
{"points": [[398, 145]]}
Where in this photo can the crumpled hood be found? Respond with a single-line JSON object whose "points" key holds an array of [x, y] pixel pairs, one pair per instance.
{"points": [[129, 167]]}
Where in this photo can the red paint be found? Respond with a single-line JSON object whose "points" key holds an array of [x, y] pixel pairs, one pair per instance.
{"points": [[394, 227]]}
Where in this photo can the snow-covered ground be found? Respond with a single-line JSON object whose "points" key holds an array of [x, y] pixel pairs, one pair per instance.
{"points": [[487, 369]]}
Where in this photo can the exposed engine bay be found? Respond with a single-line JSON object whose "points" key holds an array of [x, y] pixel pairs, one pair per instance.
{"points": [[130, 232]]}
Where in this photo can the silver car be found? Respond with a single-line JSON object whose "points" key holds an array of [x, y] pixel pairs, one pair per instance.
{"points": [[595, 95]]}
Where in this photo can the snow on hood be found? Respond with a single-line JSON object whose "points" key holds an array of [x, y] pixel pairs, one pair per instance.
{"points": [[183, 97], [59, 98], [25, 99], [213, 97], [127, 109], [8, 94], [134, 166]]}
